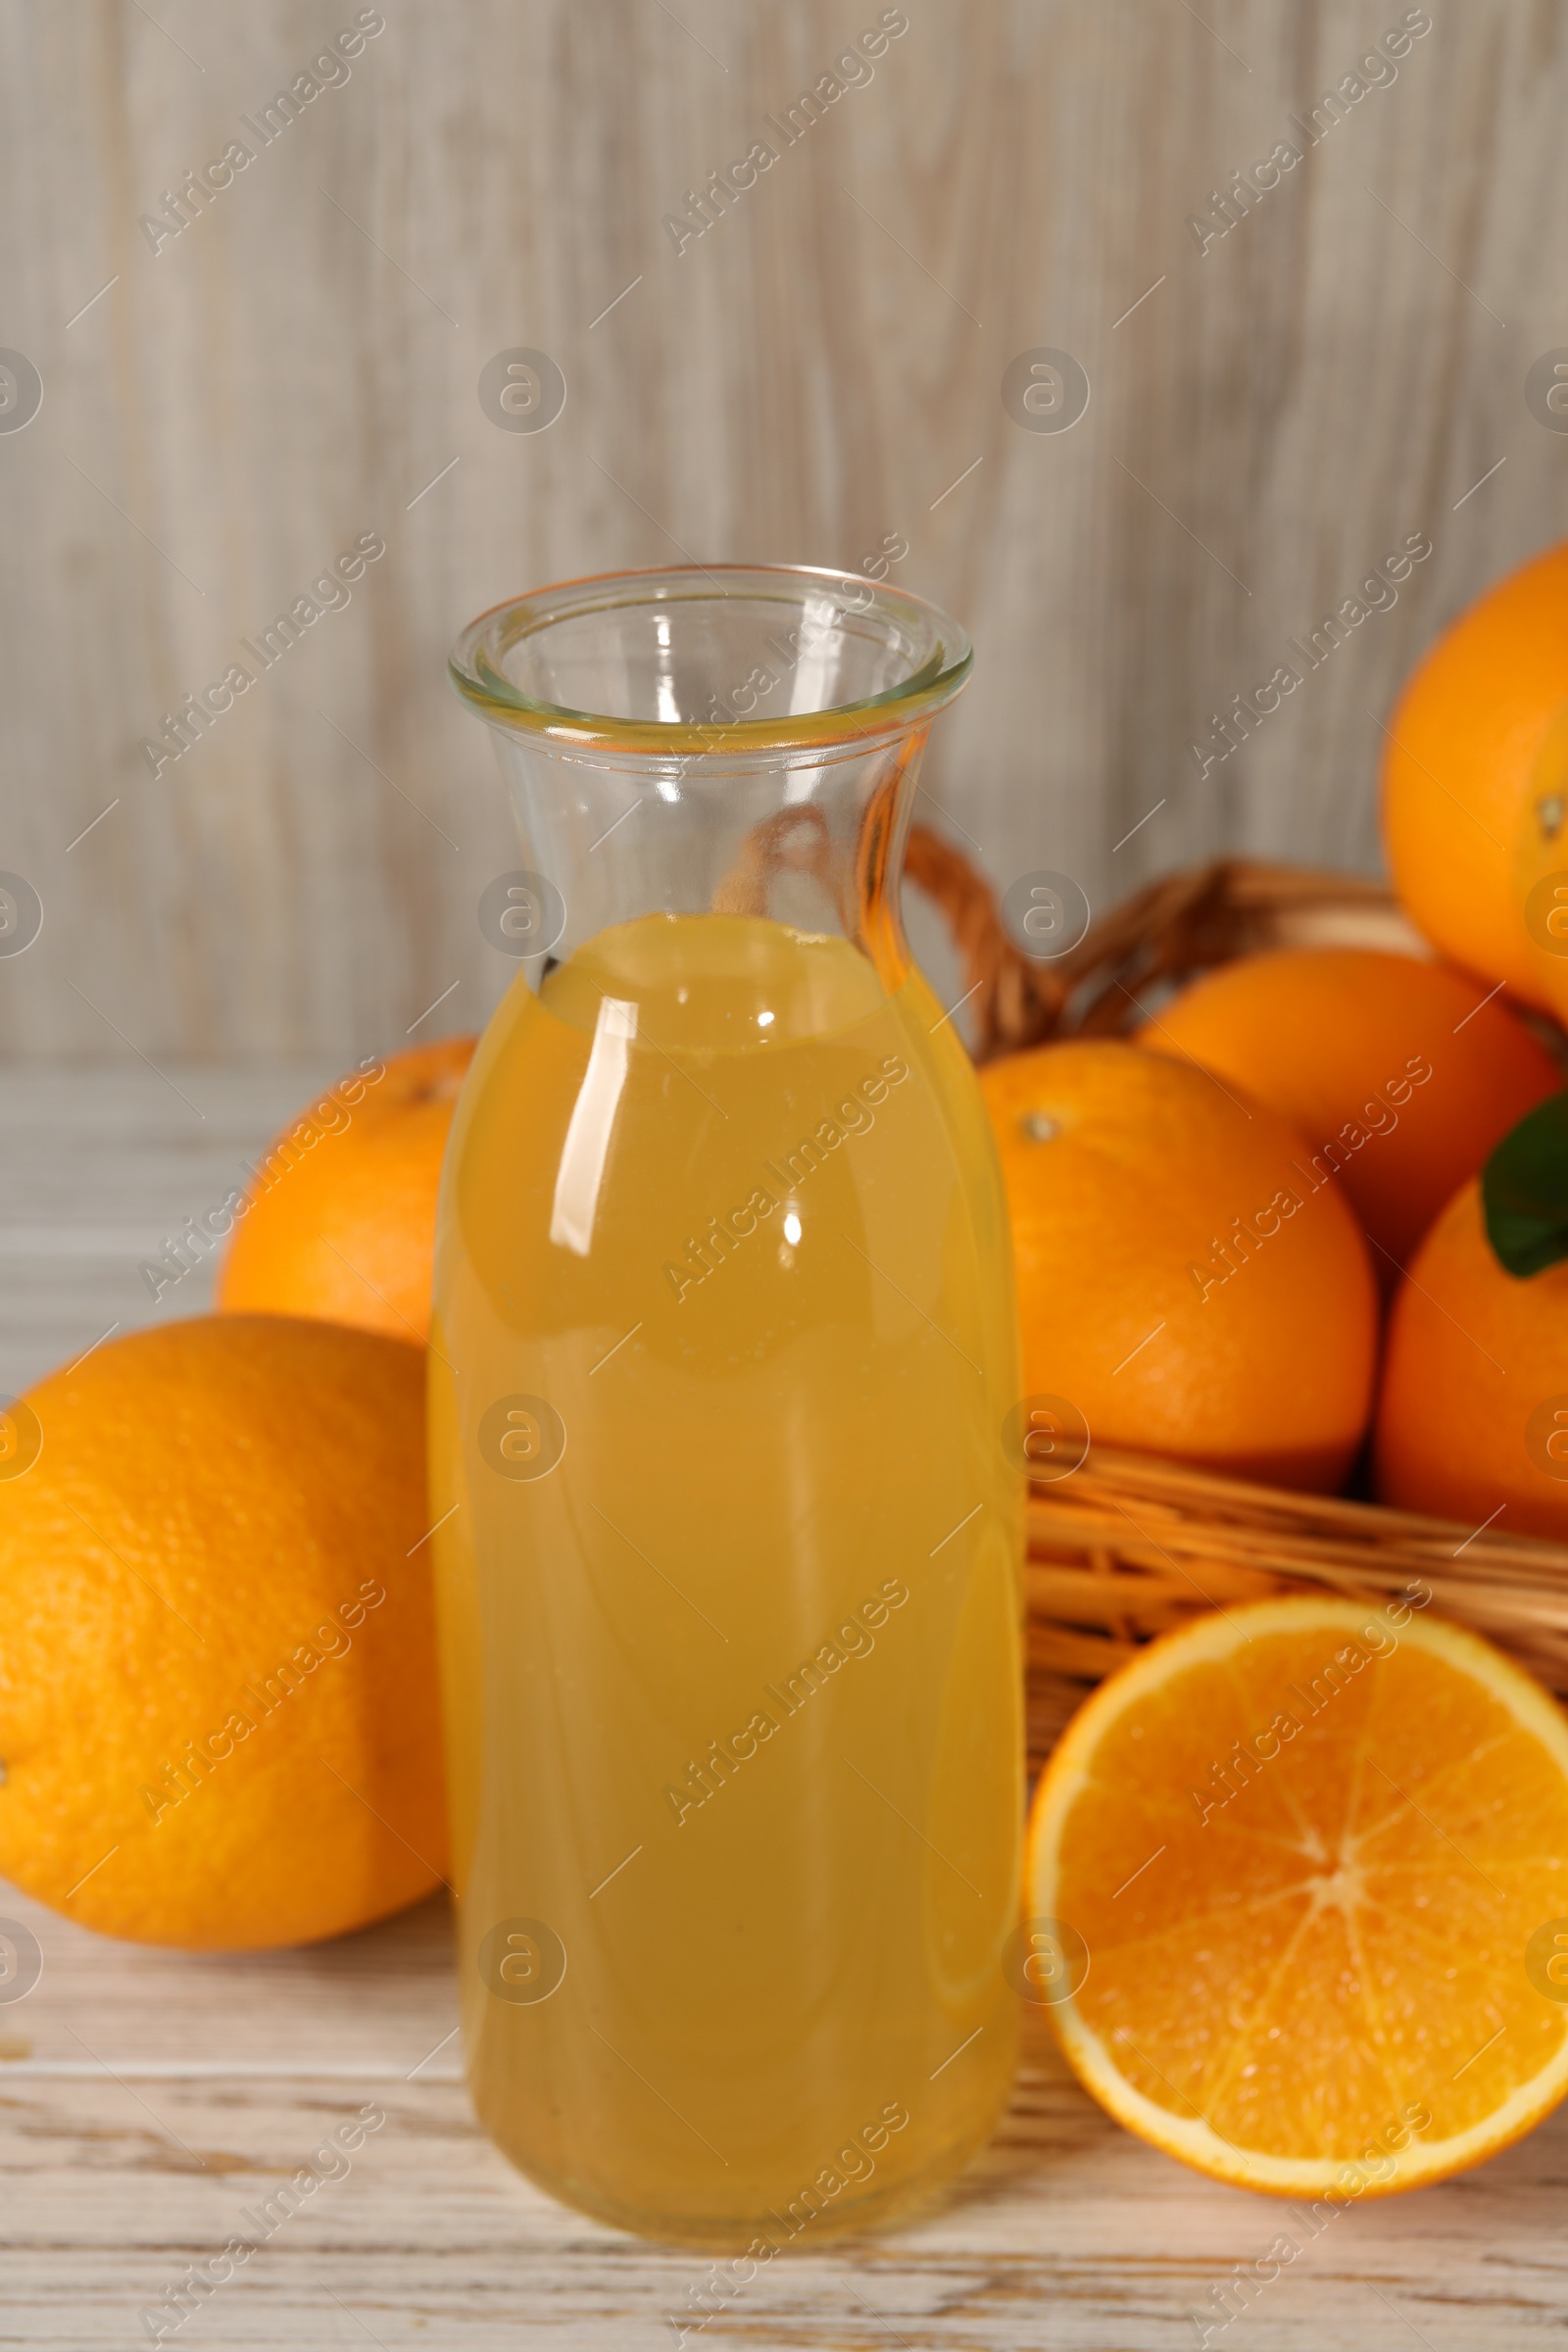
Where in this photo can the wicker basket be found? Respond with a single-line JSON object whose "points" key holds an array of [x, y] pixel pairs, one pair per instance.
{"points": [[1130, 1544]]}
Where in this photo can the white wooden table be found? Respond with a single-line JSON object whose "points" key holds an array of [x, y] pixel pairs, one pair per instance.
{"points": [[149, 2099]]}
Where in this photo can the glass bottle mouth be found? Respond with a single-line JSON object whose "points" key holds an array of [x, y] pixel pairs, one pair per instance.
{"points": [[696, 660]]}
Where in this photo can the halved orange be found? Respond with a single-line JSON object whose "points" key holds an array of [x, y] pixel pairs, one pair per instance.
{"points": [[1297, 1877]]}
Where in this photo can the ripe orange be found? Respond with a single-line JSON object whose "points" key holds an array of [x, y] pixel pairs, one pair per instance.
{"points": [[340, 1219], [217, 1687], [1294, 1887], [1184, 1282], [1540, 868], [1395, 1072], [1472, 1418], [1459, 757]]}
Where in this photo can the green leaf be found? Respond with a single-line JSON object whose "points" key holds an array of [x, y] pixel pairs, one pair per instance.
{"points": [[1524, 1191]]}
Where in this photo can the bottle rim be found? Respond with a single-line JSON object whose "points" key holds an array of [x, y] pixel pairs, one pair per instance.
{"points": [[476, 665]]}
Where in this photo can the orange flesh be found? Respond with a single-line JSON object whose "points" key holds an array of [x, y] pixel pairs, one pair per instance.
{"points": [[1313, 1963]]}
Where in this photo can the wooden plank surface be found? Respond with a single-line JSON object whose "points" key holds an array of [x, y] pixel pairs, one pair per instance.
{"points": [[150, 2101], [1273, 411], [96, 1173]]}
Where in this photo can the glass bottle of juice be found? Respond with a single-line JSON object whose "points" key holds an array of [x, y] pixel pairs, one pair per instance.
{"points": [[724, 1343]]}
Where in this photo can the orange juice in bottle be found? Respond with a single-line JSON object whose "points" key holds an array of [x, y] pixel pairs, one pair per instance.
{"points": [[723, 1348]]}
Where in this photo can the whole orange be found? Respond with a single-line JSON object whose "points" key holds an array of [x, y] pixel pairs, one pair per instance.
{"points": [[1184, 1283], [1472, 1417], [1398, 1074], [339, 1220], [1459, 757], [218, 1712], [1541, 867]]}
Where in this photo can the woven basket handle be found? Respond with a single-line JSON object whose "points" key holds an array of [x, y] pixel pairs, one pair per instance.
{"points": [[1182, 924], [1015, 1003]]}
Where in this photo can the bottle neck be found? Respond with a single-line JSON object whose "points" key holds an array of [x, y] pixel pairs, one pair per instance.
{"points": [[816, 845]]}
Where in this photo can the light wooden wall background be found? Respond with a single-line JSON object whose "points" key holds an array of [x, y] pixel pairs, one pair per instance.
{"points": [[811, 376]]}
